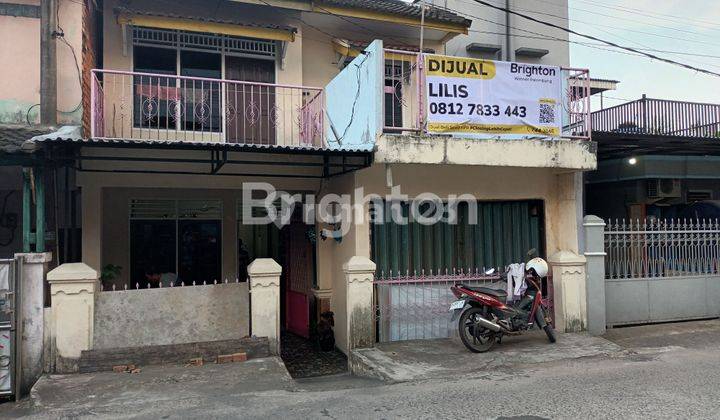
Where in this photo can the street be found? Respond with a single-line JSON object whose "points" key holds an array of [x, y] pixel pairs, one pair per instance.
{"points": [[665, 371]]}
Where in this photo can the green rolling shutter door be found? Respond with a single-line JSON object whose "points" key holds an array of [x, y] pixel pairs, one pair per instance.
{"points": [[505, 231]]}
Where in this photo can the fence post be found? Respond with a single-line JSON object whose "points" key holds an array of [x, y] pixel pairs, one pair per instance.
{"points": [[264, 276], [595, 256], [31, 293], [72, 287], [359, 272], [570, 299]]}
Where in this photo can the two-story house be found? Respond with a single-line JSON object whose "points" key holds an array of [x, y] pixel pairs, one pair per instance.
{"points": [[188, 102]]}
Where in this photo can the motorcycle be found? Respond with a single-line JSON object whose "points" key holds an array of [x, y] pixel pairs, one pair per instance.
{"points": [[484, 317]]}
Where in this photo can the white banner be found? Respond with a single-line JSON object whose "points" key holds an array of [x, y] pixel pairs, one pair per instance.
{"points": [[466, 95]]}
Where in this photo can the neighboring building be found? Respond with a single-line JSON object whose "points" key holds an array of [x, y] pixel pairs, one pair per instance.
{"points": [[497, 35], [184, 105], [658, 159]]}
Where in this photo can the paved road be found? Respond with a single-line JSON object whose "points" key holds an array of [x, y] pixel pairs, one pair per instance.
{"points": [[673, 375]]}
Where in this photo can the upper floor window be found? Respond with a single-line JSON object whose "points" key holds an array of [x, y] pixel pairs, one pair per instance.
{"points": [[178, 103]]}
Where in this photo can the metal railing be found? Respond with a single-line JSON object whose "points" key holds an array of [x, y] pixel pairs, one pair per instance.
{"points": [[662, 248], [147, 286], [417, 307], [147, 106], [404, 107], [660, 117]]}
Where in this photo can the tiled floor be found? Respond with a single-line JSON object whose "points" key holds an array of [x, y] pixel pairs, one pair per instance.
{"points": [[303, 358]]}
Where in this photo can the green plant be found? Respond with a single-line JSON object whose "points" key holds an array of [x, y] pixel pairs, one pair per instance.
{"points": [[110, 272]]}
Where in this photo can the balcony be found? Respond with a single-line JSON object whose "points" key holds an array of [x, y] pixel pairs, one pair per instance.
{"points": [[405, 109], [660, 118], [392, 106], [169, 108]]}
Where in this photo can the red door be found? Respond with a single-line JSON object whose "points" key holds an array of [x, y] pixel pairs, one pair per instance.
{"points": [[299, 272]]}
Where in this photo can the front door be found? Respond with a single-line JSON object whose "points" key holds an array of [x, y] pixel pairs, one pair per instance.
{"points": [[298, 269], [250, 107]]}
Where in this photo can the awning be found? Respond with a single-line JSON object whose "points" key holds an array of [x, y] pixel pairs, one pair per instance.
{"points": [[349, 48], [217, 159], [197, 22]]}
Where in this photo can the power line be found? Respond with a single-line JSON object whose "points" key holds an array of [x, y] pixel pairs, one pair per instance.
{"points": [[653, 15], [644, 46], [594, 44], [552, 25], [625, 29]]}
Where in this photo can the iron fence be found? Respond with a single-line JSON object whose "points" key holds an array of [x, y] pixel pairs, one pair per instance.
{"points": [[148, 106], [10, 319], [112, 287], [662, 248], [404, 104], [660, 117], [417, 307]]}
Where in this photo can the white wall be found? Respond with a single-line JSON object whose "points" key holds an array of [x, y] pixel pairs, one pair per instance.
{"points": [[486, 32]]}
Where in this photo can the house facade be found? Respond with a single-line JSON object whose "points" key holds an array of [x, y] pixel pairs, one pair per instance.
{"points": [[192, 114]]}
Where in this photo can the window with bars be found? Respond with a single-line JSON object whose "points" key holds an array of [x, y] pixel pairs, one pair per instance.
{"points": [[396, 76], [198, 41], [503, 234]]}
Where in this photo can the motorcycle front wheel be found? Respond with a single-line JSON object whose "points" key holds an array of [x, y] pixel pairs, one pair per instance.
{"points": [[477, 339]]}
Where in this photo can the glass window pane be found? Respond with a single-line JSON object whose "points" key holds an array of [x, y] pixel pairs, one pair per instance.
{"points": [[201, 98], [152, 250], [155, 98]]}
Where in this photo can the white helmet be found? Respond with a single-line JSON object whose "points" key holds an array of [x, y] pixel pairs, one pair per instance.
{"points": [[539, 265]]}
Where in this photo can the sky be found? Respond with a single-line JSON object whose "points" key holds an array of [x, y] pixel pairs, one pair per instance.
{"points": [[681, 27]]}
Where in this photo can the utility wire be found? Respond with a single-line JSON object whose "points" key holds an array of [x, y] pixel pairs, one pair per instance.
{"points": [[594, 44], [653, 15], [612, 44]]}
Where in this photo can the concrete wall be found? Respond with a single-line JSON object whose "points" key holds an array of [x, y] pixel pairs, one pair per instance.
{"points": [[20, 82], [354, 101], [170, 315], [559, 54], [528, 153]]}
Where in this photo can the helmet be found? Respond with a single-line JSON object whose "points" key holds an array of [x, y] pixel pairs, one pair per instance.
{"points": [[539, 266]]}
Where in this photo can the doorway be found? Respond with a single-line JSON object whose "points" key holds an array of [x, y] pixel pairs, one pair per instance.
{"points": [[298, 273]]}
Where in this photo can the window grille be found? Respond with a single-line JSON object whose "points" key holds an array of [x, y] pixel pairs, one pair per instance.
{"points": [[152, 209], [203, 42], [699, 195], [200, 209], [175, 209]]}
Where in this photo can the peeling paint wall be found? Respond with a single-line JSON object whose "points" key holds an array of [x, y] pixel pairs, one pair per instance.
{"points": [[174, 315], [526, 153], [354, 112], [20, 81]]}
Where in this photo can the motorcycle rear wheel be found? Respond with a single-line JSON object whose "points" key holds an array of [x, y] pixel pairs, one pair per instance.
{"points": [[550, 332], [477, 339]]}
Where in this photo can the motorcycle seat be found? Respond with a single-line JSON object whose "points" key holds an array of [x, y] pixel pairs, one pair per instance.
{"points": [[499, 293]]}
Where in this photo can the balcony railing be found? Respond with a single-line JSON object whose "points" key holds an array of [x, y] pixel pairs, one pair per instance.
{"points": [[404, 107], [660, 118], [146, 106]]}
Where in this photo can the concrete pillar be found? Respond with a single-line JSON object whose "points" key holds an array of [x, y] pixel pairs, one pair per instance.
{"points": [[360, 326], [264, 276], [570, 297], [595, 255], [72, 287], [91, 197], [32, 301]]}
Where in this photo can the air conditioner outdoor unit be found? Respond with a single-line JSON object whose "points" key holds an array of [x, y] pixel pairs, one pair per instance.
{"points": [[664, 188]]}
